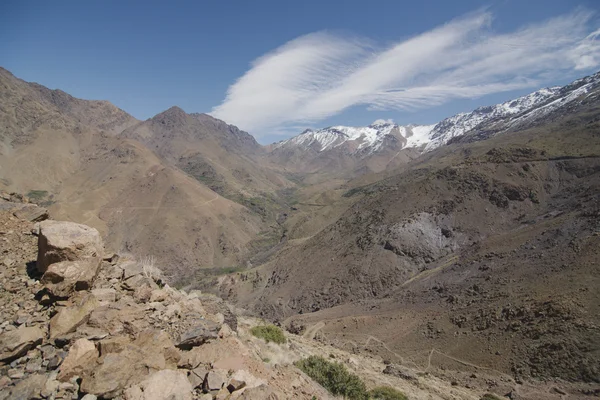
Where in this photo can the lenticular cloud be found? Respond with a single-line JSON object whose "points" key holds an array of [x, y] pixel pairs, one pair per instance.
{"points": [[320, 74]]}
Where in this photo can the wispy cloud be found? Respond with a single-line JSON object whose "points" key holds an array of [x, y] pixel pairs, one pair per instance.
{"points": [[321, 74]]}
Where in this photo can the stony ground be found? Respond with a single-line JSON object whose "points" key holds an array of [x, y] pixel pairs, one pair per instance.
{"points": [[127, 336], [130, 336]]}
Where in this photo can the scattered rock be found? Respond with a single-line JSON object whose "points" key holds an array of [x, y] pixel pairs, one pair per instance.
{"points": [[162, 385], [262, 392], [113, 345], [29, 388], [203, 331], [215, 380], [82, 356], [197, 377], [401, 372], [234, 385], [105, 295], [16, 343], [69, 318], [151, 351], [32, 213]]}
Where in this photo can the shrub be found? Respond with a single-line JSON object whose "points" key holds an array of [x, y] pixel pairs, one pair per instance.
{"points": [[270, 333], [387, 393], [490, 396], [334, 377], [37, 195], [150, 270]]}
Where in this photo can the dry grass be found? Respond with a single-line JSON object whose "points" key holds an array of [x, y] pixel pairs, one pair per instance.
{"points": [[150, 270]]}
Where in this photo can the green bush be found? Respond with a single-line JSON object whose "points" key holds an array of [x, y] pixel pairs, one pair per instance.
{"points": [[334, 377], [490, 396], [387, 393], [270, 333], [37, 195]]}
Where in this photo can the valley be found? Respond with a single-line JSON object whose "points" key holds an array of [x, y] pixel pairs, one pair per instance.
{"points": [[468, 250]]}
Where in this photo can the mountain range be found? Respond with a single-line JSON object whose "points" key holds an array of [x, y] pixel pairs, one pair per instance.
{"points": [[381, 136], [475, 237]]}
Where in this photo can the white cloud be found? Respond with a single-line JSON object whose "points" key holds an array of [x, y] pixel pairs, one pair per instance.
{"points": [[319, 75], [382, 121]]}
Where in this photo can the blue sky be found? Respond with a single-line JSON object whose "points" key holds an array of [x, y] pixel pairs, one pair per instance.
{"points": [[318, 57]]}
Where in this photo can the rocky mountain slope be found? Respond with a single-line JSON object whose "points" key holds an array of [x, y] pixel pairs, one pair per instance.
{"points": [[465, 251], [485, 248], [82, 324], [323, 148], [215, 153], [75, 324], [164, 185], [192, 198]]}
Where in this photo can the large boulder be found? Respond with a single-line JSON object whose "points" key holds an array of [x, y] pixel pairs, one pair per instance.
{"points": [[67, 241], [14, 344], [162, 385], [62, 278], [68, 319]]}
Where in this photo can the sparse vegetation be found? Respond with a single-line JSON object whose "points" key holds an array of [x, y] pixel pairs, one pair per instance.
{"points": [[353, 191], [40, 197], [387, 393], [489, 396], [270, 333], [229, 270], [150, 270], [334, 377], [533, 197], [37, 195]]}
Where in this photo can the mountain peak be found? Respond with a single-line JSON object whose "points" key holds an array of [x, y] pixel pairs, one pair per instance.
{"points": [[171, 117]]}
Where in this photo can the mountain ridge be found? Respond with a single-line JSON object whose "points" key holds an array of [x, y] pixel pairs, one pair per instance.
{"points": [[369, 139]]}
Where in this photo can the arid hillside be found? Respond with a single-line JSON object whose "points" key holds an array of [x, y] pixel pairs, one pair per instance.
{"points": [[68, 155], [486, 250]]}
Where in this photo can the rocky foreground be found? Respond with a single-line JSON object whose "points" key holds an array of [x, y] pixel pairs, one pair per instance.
{"points": [[78, 323], [81, 324]]}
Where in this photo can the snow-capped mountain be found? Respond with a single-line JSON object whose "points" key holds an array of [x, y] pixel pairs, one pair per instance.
{"points": [[365, 141]]}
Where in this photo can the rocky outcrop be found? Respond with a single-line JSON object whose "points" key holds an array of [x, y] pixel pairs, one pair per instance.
{"points": [[67, 241], [32, 213], [19, 206], [123, 334], [114, 372]]}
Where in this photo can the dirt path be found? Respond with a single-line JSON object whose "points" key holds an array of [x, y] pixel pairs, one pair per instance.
{"points": [[445, 262]]}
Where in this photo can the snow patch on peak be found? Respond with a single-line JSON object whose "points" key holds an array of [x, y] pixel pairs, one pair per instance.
{"points": [[420, 135]]}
